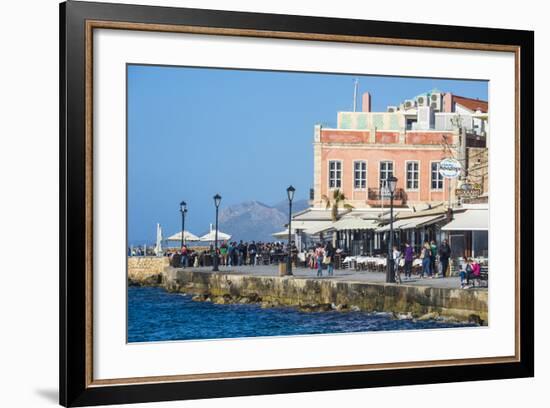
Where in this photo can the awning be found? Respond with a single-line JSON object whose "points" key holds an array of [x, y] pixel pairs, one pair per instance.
{"points": [[413, 223], [320, 227], [282, 234], [423, 221], [309, 227], [398, 224], [354, 224], [469, 220]]}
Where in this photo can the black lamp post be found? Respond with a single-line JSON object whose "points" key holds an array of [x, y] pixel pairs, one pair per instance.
{"points": [[290, 193], [390, 270], [217, 200], [183, 210]]}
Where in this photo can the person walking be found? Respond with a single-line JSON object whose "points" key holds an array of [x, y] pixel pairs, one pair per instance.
{"points": [[223, 253], [184, 256], [319, 252], [433, 250], [396, 256], [245, 252], [409, 255], [240, 252], [444, 255], [230, 254], [426, 256], [252, 250], [328, 259]]}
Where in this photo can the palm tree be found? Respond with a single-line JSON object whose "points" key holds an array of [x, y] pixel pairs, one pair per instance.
{"points": [[338, 200]]}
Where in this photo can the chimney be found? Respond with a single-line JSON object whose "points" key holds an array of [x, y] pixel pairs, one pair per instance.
{"points": [[448, 102], [366, 102]]}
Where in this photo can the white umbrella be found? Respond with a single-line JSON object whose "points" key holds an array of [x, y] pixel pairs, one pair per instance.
{"points": [[158, 246], [211, 236], [188, 236]]}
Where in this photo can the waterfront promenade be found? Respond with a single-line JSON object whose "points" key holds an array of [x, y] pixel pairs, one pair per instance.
{"points": [[340, 275]]}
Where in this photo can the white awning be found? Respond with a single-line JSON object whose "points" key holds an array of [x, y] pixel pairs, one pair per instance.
{"points": [[469, 220], [309, 227], [354, 224], [282, 234], [423, 221], [320, 227], [412, 223], [398, 224]]}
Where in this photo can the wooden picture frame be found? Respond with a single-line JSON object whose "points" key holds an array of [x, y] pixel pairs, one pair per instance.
{"points": [[78, 20]]}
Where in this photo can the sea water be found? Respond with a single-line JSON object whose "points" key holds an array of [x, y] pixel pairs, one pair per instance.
{"points": [[157, 315]]}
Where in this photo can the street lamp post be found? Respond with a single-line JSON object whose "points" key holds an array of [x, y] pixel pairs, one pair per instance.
{"points": [[390, 270], [217, 200], [290, 193], [183, 210]]}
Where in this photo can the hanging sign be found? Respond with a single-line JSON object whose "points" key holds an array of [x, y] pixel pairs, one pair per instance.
{"points": [[450, 168], [468, 190]]}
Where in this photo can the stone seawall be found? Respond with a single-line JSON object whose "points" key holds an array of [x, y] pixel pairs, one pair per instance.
{"points": [[146, 270], [324, 294]]}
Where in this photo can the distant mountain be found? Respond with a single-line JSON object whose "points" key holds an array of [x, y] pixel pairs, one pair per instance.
{"points": [[253, 220], [297, 206]]}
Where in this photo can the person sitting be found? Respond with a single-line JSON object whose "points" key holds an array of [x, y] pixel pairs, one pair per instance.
{"points": [[467, 268], [476, 270]]}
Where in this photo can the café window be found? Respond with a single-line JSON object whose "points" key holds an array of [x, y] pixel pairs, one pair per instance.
{"points": [[334, 174], [386, 171], [360, 175], [412, 175], [437, 178]]}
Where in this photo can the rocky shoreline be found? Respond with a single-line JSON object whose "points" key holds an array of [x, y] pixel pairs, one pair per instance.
{"points": [[227, 299]]}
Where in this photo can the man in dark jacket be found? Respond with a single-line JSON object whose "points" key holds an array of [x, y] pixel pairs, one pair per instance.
{"points": [[252, 250], [444, 255]]}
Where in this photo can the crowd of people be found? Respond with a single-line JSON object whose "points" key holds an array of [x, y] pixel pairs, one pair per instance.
{"points": [[435, 262], [434, 258], [233, 253]]}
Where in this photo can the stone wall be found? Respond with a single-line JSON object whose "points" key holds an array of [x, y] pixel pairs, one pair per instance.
{"points": [[309, 293], [146, 270]]}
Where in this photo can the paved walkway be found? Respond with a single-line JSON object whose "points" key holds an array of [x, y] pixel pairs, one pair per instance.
{"points": [[344, 275]]}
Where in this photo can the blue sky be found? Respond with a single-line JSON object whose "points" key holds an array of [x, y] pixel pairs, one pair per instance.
{"points": [[247, 135]]}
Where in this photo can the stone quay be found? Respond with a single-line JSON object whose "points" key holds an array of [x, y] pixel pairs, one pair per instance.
{"points": [[347, 290]]}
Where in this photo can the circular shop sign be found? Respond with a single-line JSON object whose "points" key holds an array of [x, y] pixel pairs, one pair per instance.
{"points": [[450, 168]]}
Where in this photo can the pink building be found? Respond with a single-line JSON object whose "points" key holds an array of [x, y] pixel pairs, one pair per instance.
{"points": [[407, 142]]}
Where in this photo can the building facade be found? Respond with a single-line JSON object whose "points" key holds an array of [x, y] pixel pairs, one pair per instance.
{"points": [[407, 141]]}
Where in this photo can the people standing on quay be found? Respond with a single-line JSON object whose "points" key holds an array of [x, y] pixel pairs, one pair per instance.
{"points": [[426, 256], [409, 257], [444, 255], [328, 259], [319, 253]]}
